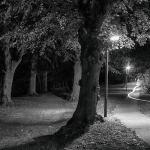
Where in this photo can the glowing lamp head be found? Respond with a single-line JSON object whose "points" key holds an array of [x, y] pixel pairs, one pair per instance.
{"points": [[128, 67], [114, 38]]}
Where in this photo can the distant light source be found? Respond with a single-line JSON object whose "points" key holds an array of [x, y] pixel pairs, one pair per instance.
{"points": [[127, 72], [115, 38], [128, 67]]}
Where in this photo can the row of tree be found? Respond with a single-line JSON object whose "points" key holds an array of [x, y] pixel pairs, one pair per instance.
{"points": [[78, 29], [32, 27]]}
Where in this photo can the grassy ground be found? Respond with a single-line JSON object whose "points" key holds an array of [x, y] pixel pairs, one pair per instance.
{"points": [[31, 125], [144, 107]]}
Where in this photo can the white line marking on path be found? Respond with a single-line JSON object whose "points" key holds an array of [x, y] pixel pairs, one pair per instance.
{"points": [[134, 89]]}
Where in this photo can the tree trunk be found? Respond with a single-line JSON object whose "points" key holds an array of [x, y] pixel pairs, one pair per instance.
{"points": [[1, 85], [7, 86], [32, 86], [77, 77], [85, 112], [10, 67], [39, 82], [44, 82], [91, 60]]}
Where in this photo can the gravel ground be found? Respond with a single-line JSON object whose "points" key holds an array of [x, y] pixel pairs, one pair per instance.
{"points": [[31, 125]]}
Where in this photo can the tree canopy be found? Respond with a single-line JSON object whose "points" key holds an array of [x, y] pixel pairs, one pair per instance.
{"points": [[62, 27]]}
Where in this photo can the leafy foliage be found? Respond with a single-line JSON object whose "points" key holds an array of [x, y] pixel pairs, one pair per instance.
{"points": [[145, 81], [52, 26], [130, 20], [18, 22], [47, 25], [33, 25]]}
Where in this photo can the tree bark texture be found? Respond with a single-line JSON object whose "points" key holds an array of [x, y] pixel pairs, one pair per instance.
{"points": [[7, 86], [94, 14], [44, 81], [10, 67], [1, 85], [77, 77], [32, 85], [86, 108]]}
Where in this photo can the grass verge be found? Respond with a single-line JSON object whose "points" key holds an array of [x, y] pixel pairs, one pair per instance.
{"points": [[31, 125], [144, 107]]}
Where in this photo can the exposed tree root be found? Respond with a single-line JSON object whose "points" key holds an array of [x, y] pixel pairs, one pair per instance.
{"points": [[71, 131], [66, 135], [99, 118]]}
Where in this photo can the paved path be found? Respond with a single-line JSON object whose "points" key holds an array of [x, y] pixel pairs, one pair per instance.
{"points": [[128, 113]]}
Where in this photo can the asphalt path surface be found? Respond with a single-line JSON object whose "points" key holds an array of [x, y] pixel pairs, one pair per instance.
{"points": [[128, 113], [120, 88]]}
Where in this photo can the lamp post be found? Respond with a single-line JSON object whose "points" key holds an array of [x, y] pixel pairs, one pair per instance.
{"points": [[106, 85], [127, 71], [114, 39]]}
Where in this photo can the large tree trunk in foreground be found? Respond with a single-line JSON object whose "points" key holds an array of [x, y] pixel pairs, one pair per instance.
{"points": [[77, 77], [44, 82], [94, 13], [86, 108], [10, 67], [32, 86]]}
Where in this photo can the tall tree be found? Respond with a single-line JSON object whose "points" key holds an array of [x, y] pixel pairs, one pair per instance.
{"points": [[17, 20], [77, 78], [26, 26], [10, 67], [94, 13], [99, 16], [12, 49], [44, 81], [44, 63], [76, 81], [33, 78]]}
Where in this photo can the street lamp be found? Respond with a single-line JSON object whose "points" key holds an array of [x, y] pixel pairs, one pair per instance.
{"points": [[127, 71], [113, 38]]}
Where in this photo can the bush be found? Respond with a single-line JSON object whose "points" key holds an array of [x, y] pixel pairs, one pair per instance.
{"points": [[145, 81]]}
